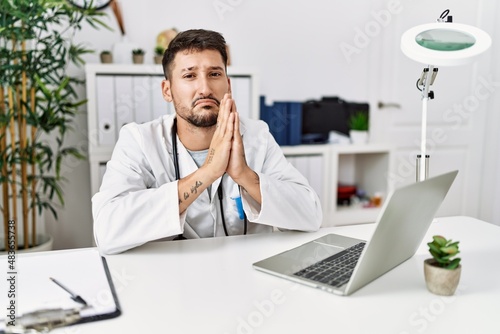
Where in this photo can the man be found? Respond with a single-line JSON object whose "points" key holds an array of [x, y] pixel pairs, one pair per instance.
{"points": [[202, 172]]}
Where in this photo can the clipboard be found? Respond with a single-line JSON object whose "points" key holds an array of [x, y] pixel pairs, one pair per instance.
{"points": [[112, 313], [84, 271]]}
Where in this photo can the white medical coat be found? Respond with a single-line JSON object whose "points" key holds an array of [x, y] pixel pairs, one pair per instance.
{"points": [[138, 198]]}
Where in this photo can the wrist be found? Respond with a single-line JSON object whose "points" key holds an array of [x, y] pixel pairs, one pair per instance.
{"points": [[247, 178], [208, 174]]}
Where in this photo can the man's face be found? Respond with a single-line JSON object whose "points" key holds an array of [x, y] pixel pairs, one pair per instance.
{"points": [[196, 85]]}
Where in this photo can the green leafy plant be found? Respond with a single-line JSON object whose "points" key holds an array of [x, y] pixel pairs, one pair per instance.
{"points": [[105, 52], [138, 51], [443, 251], [159, 50], [359, 121], [38, 103]]}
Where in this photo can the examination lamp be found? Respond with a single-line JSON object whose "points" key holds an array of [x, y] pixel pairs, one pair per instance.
{"points": [[439, 44]]}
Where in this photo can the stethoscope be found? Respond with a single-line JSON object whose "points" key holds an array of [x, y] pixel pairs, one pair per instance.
{"points": [[219, 189]]}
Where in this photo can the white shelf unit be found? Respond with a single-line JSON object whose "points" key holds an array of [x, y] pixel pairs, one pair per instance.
{"points": [[366, 166], [121, 93]]}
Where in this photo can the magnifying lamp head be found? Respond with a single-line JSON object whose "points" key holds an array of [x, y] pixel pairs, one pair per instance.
{"points": [[444, 44]]}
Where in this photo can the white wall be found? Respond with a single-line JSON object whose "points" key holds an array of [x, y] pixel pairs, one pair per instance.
{"points": [[294, 46], [490, 199]]}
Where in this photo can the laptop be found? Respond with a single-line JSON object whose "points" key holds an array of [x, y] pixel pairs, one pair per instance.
{"points": [[342, 265]]}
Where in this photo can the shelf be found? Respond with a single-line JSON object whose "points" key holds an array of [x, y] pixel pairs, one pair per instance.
{"points": [[358, 149], [338, 148], [366, 166], [348, 216], [306, 149], [152, 69]]}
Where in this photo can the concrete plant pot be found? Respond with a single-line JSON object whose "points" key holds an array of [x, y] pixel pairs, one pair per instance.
{"points": [[158, 59], [441, 281], [106, 58], [138, 59]]}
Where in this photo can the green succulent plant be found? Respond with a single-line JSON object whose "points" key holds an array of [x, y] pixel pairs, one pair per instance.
{"points": [[159, 50], [359, 121], [444, 252], [138, 51]]}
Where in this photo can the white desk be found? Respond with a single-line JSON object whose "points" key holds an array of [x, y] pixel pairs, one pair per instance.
{"points": [[209, 286]]}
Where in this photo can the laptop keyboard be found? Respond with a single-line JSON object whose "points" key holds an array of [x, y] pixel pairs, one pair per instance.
{"points": [[336, 269]]}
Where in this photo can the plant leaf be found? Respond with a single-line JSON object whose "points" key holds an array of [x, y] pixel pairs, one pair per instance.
{"points": [[434, 248], [453, 264], [451, 250], [441, 241]]}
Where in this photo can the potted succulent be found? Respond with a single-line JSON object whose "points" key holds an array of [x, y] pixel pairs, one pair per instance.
{"points": [[358, 127], [106, 57], [38, 103], [159, 51], [138, 56], [442, 271]]}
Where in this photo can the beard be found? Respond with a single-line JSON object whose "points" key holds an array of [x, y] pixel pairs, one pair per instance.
{"points": [[202, 117]]}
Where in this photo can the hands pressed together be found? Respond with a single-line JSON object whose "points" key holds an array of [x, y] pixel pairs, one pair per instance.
{"points": [[226, 154]]}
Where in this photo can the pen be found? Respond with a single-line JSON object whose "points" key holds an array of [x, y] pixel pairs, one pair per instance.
{"points": [[236, 197], [239, 206], [74, 296]]}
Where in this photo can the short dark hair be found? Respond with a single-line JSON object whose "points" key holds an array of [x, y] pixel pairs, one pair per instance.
{"points": [[193, 40]]}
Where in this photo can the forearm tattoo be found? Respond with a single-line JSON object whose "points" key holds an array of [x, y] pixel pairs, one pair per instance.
{"points": [[194, 189], [257, 179], [210, 156]]}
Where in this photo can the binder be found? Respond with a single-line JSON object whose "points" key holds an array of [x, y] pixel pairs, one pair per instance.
{"points": [[277, 121], [284, 120], [263, 109], [83, 271], [123, 101], [106, 110], [143, 106], [294, 118]]}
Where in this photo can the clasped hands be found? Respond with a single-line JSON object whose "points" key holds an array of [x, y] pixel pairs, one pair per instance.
{"points": [[226, 153]]}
